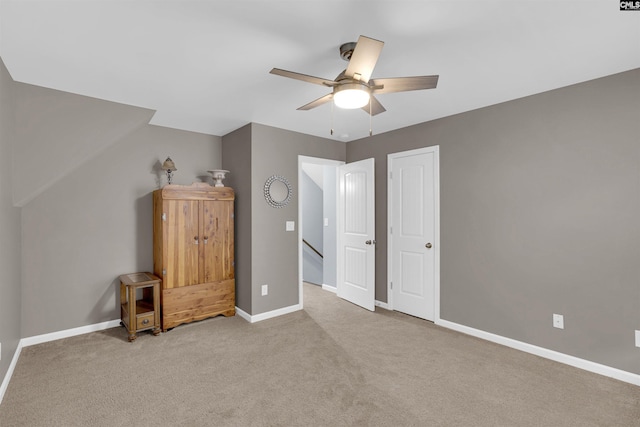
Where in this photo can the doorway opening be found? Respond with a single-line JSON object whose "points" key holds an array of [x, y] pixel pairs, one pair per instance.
{"points": [[317, 221]]}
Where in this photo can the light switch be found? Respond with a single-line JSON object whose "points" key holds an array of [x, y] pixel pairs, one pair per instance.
{"points": [[291, 226], [326, 222]]}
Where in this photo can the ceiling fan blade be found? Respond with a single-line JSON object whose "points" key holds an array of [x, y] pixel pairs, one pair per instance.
{"points": [[364, 58], [376, 107], [303, 77], [403, 84], [318, 102]]}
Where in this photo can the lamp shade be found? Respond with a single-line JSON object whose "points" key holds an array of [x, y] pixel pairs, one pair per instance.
{"points": [[351, 95], [168, 165]]}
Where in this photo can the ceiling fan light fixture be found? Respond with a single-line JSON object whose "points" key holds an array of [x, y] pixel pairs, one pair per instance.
{"points": [[351, 95]]}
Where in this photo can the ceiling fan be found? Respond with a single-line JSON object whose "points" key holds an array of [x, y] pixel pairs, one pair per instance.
{"points": [[354, 88]]}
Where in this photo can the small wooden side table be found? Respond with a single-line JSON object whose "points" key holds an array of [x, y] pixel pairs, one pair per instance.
{"points": [[140, 314]]}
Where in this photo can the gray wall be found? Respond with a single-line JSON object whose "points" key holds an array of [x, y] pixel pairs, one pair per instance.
{"points": [[312, 232], [95, 223], [540, 200], [10, 242], [274, 250], [330, 197], [236, 158]]}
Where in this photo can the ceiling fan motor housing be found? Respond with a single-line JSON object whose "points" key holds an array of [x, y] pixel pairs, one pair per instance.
{"points": [[346, 50]]}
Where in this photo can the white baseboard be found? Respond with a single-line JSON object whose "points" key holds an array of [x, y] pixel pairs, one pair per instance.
{"points": [[39, 339], [12, 366], [241, 313], [330, 288], [268, 315], [382, 305], [576, 362]]}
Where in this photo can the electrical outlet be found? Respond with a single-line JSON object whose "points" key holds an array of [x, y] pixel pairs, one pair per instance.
{"points": [[265, 290], [637, 338], [558, 321], [290, 226]]}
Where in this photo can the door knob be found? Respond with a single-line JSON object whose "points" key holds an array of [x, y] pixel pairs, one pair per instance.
{"points": [[370, 242], [428, 246]]}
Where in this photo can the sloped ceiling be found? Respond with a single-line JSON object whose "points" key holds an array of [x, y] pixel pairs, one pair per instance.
{"points": [[315, 172], [57, 132], [204, 65]]}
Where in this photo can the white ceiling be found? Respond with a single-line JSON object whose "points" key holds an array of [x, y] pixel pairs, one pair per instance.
{"points": [[204, 65]]}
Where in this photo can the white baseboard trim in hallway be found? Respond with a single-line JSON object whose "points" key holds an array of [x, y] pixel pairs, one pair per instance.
{"points": [[382, 305], [329, 288], [576, 362]]}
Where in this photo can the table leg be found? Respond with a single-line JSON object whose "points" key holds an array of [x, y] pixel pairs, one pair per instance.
{"points": [[131, 303], [156, 308]]}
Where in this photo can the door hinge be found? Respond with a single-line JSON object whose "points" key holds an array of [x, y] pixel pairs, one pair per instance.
{"points": [[391, 285], [164, 216], [164, 272], [390, 230], [233, 215], [390, 175]]}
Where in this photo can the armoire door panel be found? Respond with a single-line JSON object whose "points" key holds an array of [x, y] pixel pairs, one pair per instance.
{"points": [[182, 243], [217, 251]]}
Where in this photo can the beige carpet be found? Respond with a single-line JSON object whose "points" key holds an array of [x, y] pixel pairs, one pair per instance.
{"points": [[332, 364]]}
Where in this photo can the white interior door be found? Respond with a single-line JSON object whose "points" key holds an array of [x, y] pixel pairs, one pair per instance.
{"points": [[413, 219], [356, 234]]}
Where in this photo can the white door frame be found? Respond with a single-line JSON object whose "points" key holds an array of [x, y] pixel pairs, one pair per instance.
{"points": [[436, 193], [315, 161]]}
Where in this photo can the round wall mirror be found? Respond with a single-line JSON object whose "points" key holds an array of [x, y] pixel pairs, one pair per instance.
{"points": [[277, 191]]}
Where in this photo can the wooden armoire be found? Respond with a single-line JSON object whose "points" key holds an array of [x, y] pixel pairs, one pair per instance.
{"points": [[193, 252]]}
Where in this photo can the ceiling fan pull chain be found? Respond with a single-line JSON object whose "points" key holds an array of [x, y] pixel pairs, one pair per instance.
{"points": [[370, 127], [332, 119]]}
